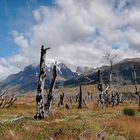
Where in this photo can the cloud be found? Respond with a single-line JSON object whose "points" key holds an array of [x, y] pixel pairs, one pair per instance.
{"points": [[80, 32], [6, 68], [20, 40]]}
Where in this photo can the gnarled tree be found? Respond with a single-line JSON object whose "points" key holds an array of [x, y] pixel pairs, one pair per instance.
{"points": [[7, 98]]}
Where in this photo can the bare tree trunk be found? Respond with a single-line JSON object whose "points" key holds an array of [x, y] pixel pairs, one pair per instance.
{"points": [[80, 99], [99, 86], [61, 102], [40, 89], [11, 102], [51, 91], [110, 75], [88, 96], [135, 83], [7, 100], [76, 98], [139, 101], [70, 99]]}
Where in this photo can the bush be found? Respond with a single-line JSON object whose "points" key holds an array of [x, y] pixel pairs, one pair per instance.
{"points": [[129, 111]]}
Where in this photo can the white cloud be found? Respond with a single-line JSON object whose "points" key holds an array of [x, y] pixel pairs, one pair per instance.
{"points": [[79, 32], [133, 38], [20, 40], [6, 68]]}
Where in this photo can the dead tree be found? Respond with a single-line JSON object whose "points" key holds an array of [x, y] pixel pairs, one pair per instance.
{"points": [[100, 88], [137, 93], [109, 57], [80, 99], [106, 97], [70, 99], [67, 106], [113, 100], [61, 102], [84, 102], [51, 91], [99, 85], [2, 93], [40, 89], [7, 98], [76, 98], [11, 102], [90, 96]]}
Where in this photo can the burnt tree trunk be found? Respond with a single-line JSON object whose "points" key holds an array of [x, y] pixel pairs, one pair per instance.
{"points": [[80, 99], [40, 89], [139, 101], [61, 102], [51, 91], [135, 83], [99, 86]]}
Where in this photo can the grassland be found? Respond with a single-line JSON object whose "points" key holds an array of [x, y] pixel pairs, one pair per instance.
{"points": [[63, 124]]}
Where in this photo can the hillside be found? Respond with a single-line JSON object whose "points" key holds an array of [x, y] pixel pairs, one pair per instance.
{"points": [[27, 79], [122, 74]]}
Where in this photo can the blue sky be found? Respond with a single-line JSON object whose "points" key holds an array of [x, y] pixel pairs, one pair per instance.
{"points": [[12, 13], [79, 32]]}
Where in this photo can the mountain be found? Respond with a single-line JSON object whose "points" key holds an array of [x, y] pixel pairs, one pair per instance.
{"points": [[122, 74], [81, 70], [28, 78]]}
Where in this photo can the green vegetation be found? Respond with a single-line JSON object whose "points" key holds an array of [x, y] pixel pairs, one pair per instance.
{"points": [[129, 111]]}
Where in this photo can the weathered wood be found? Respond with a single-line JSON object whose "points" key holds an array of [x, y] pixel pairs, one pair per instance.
{"points": [[135, 84], [93, 135], [80, 99], [51, 91], [99, 85], [61, 102], [11, 102], [7, 100], [67, 106], [40, 89], [18, 118], [102, 134], [100, 88]]}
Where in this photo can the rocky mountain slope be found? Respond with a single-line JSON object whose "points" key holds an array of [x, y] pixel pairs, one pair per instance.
{"points": [[27, 79], [122, 74]]}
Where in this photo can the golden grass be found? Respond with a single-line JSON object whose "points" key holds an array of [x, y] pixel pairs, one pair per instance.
{"points": [[64, 124]]}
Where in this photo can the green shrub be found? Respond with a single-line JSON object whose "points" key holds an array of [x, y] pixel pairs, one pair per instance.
{"points": [[129, 111]]}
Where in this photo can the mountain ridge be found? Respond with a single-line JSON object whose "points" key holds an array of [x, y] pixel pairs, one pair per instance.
{"points": [[27, 78]]}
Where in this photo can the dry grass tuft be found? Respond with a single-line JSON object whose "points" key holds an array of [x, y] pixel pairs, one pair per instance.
{"points": [[63, 124]]}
